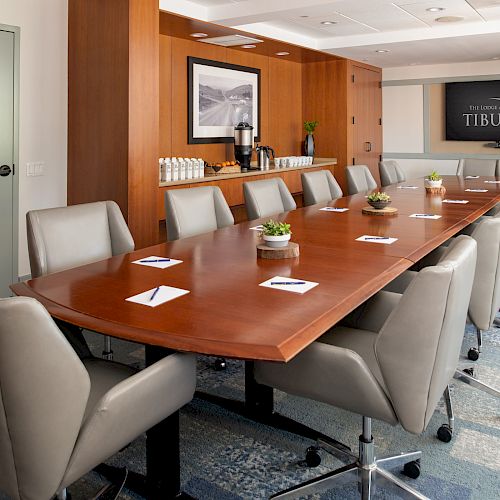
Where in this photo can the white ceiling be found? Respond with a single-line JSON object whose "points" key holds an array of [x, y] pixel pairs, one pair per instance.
{"points": [[405, 28]]}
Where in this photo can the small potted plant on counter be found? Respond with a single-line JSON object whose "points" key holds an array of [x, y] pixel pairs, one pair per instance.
{"points": [[433, 180], [379, 200], [310, 127], [276, 234]]}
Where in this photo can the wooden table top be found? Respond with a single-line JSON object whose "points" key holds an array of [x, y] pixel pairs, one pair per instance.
{"points": [[226, 313]]}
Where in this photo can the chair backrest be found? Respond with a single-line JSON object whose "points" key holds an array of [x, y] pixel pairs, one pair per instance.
{"points": [[390, 172], [419, 345], [195, 211], [66, 237], [267, 197], [359, 179], [478, 166], [44, 389], [319, 186], [485, 298]]}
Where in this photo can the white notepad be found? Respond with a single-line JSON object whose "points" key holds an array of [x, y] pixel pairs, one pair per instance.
{"points": [[459, 202], [492, 182], [472, 176], [160, 265], [303, 287], [257, 228], [333, 209], [477, 190], [165, 293], [377, 239], [407, 187], [425, 216]]}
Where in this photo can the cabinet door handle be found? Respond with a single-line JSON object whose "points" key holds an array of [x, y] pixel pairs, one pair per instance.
{"points": [[5, 170], [368, 146]]}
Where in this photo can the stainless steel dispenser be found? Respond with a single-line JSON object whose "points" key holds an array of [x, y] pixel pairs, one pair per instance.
{"points": [[243, 144]]}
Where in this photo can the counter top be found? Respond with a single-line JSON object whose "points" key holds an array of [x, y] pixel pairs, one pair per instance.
{"points": [[318, 162]]}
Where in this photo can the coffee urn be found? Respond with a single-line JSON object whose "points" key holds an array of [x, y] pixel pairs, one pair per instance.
{"points": [[243, 144]]}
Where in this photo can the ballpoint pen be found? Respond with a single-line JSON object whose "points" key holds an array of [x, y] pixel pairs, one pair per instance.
{"points": [[154, 294], [424, 215], [288, 282], [156, 260], [377, 238]]}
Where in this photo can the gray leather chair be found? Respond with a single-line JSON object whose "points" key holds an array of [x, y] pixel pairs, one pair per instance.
{"points": [[267, 197], [393, 366], [476, 166], [359, 179], [67, 237], [390, 172], [61, 417], [194, 211], [320, 187]]}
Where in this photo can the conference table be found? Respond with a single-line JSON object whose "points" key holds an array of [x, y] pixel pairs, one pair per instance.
{"points": [[227, 314]]}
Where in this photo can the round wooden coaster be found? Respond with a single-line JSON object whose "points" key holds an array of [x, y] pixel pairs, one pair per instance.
{"points": [[439, 190], [382, 211], [288, 252]]}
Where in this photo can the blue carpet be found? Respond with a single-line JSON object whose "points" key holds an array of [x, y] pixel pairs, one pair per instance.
{"points": [[227, 457]]}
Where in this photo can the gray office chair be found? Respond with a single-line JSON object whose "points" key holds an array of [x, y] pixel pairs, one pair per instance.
{"points": [[267, 197], [359, 179], [61, 417], [319, 187], [390, 172], [394, 366], [67, 237], [194, 211], [476, 166]]}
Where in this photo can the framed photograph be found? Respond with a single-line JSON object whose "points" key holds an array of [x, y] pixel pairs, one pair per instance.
{"points": [[220, 96]]}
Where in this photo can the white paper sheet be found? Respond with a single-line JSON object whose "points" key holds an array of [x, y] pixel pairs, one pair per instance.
{"points": [[407, 187], [492, 182], [377, 239], [425, 216], [303, 287], [472, 176], [160, 265], [458, 202], [165, 293], [333, 209], [477, 190], [257, 228]]}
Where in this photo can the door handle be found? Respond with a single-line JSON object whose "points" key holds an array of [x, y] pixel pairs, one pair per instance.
{"points": [[5, 170], [368, 146]]}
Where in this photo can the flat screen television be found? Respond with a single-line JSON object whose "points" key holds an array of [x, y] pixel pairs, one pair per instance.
{"points": [[473, 111]]}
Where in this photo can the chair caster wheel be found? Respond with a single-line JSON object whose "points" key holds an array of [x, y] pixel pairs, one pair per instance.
{"points": [[220, 364], [473, 354], [469, 371], [412, 469], [445, 433], [313, 458]]}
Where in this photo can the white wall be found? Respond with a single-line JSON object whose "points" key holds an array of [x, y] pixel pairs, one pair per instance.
{"points": [[43, 104], [403, 131]]}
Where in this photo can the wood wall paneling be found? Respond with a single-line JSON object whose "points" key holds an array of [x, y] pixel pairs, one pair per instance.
{"points": [[165, 93]]}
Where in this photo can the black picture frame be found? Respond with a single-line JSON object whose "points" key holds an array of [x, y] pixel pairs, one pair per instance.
{"points": [[192, 61]]}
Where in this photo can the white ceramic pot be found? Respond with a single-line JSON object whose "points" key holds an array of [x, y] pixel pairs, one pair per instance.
{"points": [[433, 184], [276, 241]]}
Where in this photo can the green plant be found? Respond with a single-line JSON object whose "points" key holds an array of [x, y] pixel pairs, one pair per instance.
{"points": [[310, 127], [434, 176], [274, 228], [379, 197]]}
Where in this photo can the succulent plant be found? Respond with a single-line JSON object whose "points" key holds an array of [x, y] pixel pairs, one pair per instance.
{"points": [[274, 228]]}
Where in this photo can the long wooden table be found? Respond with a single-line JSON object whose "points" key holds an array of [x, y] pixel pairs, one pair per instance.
{"points": [[226, 313]]}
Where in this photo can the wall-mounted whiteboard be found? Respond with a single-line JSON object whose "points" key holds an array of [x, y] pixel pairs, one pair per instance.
{"points": [[403, 119]]}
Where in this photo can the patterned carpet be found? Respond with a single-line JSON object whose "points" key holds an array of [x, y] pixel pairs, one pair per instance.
{"points": [[226, 457]]}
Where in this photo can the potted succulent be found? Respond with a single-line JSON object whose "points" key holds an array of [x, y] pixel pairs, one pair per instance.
{"points": [[276, 234], [433, 180], [310, 127], [379, 200]]}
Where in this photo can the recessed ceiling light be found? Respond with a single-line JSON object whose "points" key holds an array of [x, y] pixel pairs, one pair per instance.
{"points": [[495, 58], [282, 53], [328, 22], [449, 19], [248, 46], [381, 51], [198, 35], [435, 9]]}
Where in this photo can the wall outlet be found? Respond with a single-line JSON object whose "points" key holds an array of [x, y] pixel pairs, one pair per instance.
{"points": [[35, 169]]}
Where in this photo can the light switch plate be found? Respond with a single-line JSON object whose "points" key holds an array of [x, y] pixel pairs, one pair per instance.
{"points": [[35, 169]]}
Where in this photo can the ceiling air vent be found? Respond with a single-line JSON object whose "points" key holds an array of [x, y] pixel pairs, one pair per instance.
{"points": [[231, 40]]}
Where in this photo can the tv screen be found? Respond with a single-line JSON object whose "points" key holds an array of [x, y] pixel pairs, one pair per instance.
{"points": [[473, 111]]}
